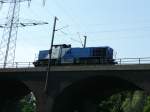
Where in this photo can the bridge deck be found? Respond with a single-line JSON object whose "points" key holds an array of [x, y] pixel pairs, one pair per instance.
{"points": [[80, 68]]}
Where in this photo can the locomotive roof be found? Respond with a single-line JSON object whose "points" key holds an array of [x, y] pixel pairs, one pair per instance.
{"points": [[94, 47], [84, 48]]}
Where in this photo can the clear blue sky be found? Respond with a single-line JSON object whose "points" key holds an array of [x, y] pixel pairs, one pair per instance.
{"points": [[122, 24]]}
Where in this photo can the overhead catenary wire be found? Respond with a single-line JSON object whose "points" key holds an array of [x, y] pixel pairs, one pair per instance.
{"points": [[66, 34], [34, 13], [59, 5], [114, 30], [93, 32], [68, 15], [72, 20], [80, 39]]}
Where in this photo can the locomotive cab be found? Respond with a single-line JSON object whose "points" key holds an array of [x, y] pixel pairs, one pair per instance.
{"points": [[57, 52]]}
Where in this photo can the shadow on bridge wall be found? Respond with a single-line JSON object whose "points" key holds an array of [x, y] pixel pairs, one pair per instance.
{"points": [[84, 95], [10, 94]]}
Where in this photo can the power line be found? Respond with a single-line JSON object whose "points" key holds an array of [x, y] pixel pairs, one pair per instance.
{"points": [[44, 2], [13, 1], [70, 17], [115, 30], [66, 12], [120, 30], [80, 39], [23, 24]]}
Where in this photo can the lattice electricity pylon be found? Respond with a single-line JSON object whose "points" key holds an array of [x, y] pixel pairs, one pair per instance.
{"points": [[9, 37]]}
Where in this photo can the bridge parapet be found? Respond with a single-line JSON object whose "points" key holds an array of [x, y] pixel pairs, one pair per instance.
{"points": [[80, 68], [18, 65], [143, 60], [119, 61]]}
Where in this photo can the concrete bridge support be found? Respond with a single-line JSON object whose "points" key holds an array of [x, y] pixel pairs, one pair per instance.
{"points": [[72, 88], [82, 93], [85, 95], [44, 99], [37, 87]]}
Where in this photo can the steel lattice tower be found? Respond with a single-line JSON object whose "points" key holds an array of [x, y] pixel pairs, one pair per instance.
{"points": [[9, 37]]}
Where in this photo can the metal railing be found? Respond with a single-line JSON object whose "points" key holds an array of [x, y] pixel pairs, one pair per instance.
{"points": [[118, 61], [121, 61], [17, 65]]}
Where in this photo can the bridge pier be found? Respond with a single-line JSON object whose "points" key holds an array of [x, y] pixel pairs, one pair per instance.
{"points": [[41, 101], [44, 100], [37, 87]]}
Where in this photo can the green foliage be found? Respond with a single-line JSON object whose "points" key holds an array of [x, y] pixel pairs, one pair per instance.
{"points": [[27, 104], [112, 104], [129, 101], [147, 105]]}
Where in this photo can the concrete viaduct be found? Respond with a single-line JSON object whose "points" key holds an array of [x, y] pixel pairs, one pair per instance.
{"points": [[71, 88]]}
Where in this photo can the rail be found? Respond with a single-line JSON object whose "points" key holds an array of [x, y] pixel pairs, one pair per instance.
{"points": [[118, 61]]}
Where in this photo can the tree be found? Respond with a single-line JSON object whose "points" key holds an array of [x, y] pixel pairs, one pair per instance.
{"points": [[27, 104]]}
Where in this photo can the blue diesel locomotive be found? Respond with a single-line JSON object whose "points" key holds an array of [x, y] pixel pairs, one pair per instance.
{"points": [[64, 54]]}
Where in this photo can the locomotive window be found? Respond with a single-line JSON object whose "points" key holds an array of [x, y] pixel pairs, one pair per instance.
{"points": [[101, 52], [69, 52]]}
